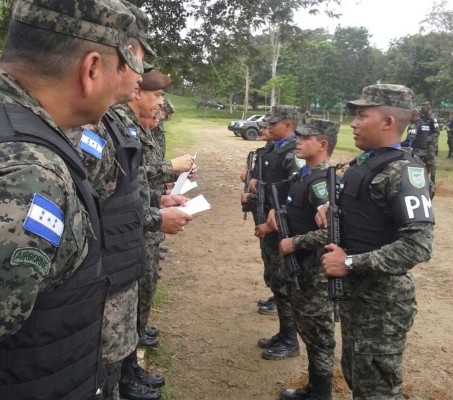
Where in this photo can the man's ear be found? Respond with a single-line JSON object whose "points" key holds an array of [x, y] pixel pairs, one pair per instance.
{"points": [[90, 72]]}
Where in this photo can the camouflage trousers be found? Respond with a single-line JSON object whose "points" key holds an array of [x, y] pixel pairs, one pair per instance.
{"points": [[275, 278], [313, 314], [431, 157], [373, 339], [119, 325], [148, 283], [111, 391]]}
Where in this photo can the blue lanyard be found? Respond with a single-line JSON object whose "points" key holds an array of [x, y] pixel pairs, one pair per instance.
{"points": [[278, 143]]}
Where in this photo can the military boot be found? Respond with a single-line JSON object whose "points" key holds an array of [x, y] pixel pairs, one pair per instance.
{"points": [[299, 393], [320, 388], [267, 343], [265, 302], [287, 345]]}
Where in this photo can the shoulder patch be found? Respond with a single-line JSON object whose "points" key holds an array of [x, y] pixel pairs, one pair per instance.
{"points": [[133, 132], [33, 257], [45, 219], [416, 176], [320, 190], [92, 144]]}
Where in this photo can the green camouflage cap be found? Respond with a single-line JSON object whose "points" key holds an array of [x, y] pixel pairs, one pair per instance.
{"points": [[168, 107], [140, 30], [426, 104], [106, 22], [318, 127], [264, 122], [279, 113], [398, 96]]}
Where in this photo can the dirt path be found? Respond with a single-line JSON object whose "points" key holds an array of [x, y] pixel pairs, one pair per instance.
{"points": [[214, 276]]}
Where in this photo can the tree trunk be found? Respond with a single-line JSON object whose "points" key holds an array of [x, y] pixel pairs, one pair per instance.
{"points": [[274, 35], [247, 89]]}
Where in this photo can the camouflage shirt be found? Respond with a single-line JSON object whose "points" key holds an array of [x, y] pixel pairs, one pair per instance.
{"points": [[414, 240], [152, 216], [28, 169]]}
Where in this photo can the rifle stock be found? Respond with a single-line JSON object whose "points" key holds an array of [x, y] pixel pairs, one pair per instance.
{"points": [[336, 291], [291, 263]]}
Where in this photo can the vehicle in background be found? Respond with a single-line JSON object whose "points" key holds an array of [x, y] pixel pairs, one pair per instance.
{"points": [[248, 129], [211, 104]]}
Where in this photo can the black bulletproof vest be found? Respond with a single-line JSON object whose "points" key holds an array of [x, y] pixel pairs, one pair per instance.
{"points": [[301, 216], [273, 171], [122, 215], [364, 225], [421, 137], [55, 354]]}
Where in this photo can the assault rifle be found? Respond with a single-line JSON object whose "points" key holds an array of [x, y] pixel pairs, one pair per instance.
{"points": [[248, 176], [291, 263], [260, 196], [336, 291]]}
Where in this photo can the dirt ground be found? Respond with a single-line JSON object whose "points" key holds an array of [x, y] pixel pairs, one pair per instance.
{"points": [[213, 272]]}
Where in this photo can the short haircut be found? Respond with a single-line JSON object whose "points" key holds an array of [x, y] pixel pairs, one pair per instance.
{"points": [[402, 116], [331, 142], [47, 53]]}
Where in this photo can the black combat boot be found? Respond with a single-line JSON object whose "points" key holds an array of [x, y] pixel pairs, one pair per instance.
{"points": [[265, 302], [267, 343], [269, 308], [320, 388], [129, 385], [286, 346]]}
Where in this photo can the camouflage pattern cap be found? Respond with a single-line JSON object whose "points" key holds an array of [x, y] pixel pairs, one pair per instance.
{"points": [[264, 122], [168, 107], [318, 127], [279, 113], [398, 96], [106, 22], [426, 104], [155, 80], [140, 30]]}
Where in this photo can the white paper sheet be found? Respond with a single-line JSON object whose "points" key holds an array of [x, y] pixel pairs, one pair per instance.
{"points": [[196, 205]]}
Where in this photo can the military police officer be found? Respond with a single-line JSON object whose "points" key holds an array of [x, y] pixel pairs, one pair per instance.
{"points": [[433, 139], [386, 229], [417, 136]]}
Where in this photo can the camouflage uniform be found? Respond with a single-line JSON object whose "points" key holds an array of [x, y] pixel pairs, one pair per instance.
{"points": [[433, 139], [274, 266], [417, 138], [450, 137], [150, 185], [31, 168], [376, 318], [311, 305]]}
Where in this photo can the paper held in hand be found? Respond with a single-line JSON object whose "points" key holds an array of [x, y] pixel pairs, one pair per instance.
{"points": [[196, 205]]}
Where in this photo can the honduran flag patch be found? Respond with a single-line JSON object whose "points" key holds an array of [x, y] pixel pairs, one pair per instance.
{"points": [[45, 219], [133, 132], [92, 144]]}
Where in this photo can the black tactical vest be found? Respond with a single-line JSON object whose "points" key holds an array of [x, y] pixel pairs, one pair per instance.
{"points": [[421, 135], [122, 215], [364, 225], [56, 353], [301, 216], [273, 171]]}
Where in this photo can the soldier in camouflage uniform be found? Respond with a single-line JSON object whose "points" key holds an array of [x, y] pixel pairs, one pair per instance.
{"points": [[159, 132], [417, 136], [279, 163], [386, 229], [47, 265], [433, 139], [450, 136], [311, 305]]}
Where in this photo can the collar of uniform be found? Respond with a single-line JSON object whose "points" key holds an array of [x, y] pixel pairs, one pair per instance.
{"points": [[281, 142]]}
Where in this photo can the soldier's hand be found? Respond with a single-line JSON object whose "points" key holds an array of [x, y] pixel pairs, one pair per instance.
{"points": [[244, 198], [243, 175], [252, 185], [193, 171], [182, 163], [170, 200], [174, 220], [271, 222], [333, 261], [321, 216], [262, 230], [286, 246]]}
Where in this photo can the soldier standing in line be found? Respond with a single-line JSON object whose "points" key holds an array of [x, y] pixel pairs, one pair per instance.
{"points": [[450, 136], [279, 163], [265, 306], [50, 264], [313, 310], [433, 139], [417, 136], [386, 229]]}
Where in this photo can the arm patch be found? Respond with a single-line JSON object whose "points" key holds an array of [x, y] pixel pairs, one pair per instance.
{"points": [[413, 202]]}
